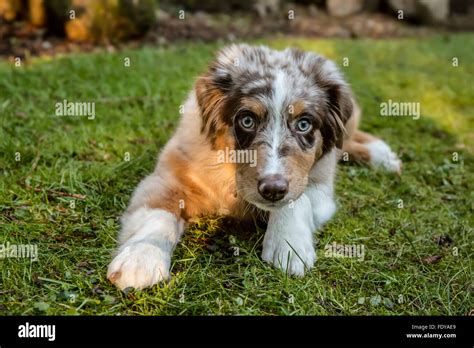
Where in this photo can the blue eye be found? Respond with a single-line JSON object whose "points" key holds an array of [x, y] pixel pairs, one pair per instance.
{"points": [[247, 121], [303, 125]]}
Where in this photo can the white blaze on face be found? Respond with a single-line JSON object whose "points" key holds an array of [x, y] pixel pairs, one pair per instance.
{"points": [[276, 125]]}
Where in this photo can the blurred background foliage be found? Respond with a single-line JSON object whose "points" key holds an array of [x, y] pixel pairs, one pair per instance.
{"points": [[108, 21], [85, 20]]}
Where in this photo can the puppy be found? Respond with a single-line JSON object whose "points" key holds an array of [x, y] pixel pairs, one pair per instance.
{"points": [[294, 114]]}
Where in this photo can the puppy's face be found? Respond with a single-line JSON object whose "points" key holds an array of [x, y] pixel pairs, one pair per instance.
{"points": [[283, 111]]}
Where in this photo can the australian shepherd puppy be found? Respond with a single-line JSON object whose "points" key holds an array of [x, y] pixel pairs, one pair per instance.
{"points": [[290, 111]]}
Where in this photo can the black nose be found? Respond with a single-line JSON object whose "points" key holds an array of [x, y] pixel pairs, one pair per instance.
{"points": [[273, 187]]}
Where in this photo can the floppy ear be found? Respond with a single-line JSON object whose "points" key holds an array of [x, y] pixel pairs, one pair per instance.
{"points": [[211, 98], [214, 92], [339, 101], [340, 107]]}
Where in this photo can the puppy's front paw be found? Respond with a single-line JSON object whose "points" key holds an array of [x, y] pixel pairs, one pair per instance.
{"points": [[139, 266], [381, 156], [291, 257]]}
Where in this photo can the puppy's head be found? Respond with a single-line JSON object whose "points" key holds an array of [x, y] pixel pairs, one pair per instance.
{"points": [[288, 108]]}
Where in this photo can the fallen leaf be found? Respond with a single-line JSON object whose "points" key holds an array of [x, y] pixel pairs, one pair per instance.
{"points": [[432, 259]]}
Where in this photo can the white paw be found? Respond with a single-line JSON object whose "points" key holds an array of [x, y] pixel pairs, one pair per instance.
{"points": [[290, 257], [139, 265], [381, 156]]}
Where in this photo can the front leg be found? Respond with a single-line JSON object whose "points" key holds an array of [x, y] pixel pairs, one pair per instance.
{"points": [[288, 242], [147, 240], [145, 258]]}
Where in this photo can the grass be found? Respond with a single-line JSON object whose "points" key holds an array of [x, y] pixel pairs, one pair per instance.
{"points": [[72, 182]]}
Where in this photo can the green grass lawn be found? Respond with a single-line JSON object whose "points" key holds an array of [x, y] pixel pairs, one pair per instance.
{"points": [[65, 182]]}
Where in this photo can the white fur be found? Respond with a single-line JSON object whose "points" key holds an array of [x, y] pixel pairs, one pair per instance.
{"points": [[280, 91], [322, 203], [277, 129], [288, 241], [148, 239], [321, 192], [330, 68], [381, 156]]}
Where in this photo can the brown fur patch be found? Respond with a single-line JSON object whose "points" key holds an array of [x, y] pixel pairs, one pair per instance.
{"points": [[300, 164], [298, 108], [357, 152], [362, 137], [255, 106]]}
